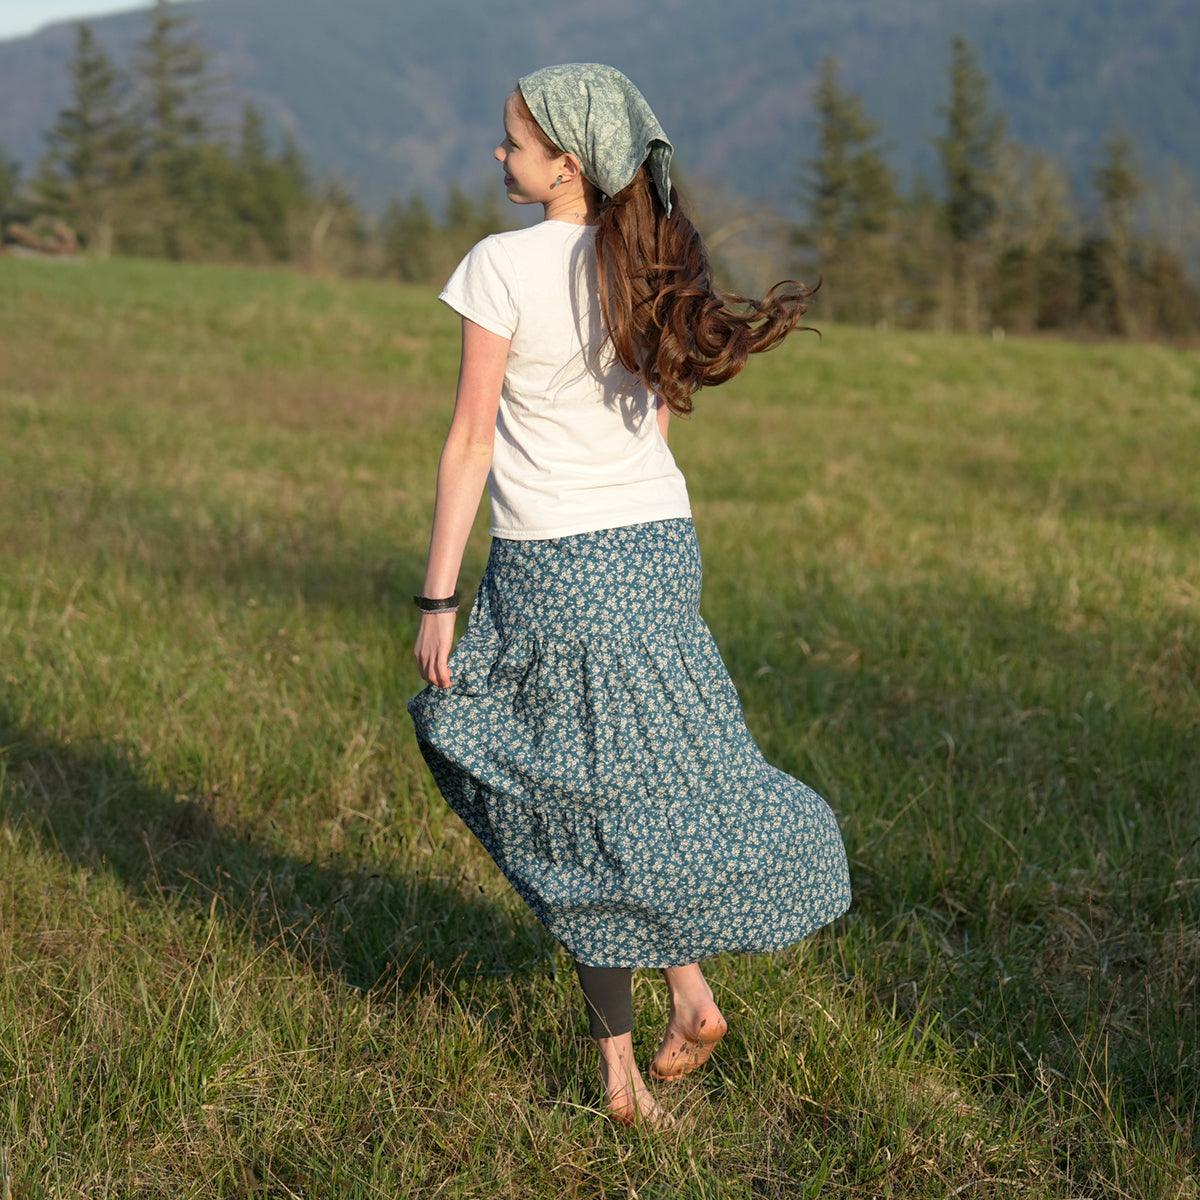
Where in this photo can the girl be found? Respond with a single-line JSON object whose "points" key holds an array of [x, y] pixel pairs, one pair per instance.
{"points": [[585, 728]]}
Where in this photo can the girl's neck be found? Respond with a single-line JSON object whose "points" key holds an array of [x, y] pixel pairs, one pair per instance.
{"points": [[579, 206]]}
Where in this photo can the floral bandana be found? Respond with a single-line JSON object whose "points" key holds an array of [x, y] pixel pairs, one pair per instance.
{"points": [[595, 113]]}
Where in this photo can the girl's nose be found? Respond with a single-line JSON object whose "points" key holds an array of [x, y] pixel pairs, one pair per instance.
{"points": [[498, 154]]}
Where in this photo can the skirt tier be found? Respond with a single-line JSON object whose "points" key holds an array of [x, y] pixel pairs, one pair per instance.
{"points": [[593, 742]]}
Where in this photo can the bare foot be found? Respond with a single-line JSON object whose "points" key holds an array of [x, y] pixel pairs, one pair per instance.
{"points": [[627, 1100], [635, 1105], [687, 1046], [694, 1027]]}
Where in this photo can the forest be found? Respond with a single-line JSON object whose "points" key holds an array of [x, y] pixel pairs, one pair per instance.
{"points": [[996, 240]]}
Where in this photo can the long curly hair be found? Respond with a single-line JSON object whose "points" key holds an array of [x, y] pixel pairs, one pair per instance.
{"points": [[667, 322]]}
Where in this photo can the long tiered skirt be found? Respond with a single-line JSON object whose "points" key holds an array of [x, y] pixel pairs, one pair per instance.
{"points": [[593, 742]]}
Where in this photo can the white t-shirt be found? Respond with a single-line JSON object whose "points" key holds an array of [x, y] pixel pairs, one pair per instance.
{"points": [[578, 445]]}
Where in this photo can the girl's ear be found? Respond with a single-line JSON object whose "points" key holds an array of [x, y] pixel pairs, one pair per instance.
{"points": [[570, 168]]}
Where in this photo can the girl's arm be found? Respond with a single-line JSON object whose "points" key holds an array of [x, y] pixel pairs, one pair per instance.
{"points": [[462, 472], [664, 416]]}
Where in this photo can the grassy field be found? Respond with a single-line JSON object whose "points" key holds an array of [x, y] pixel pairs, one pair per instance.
{"points": [[246, 952]]}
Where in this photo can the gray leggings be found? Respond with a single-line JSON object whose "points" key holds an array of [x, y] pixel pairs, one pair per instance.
{"points": [[608, 992]]}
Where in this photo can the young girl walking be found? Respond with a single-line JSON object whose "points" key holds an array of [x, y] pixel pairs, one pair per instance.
{"points": [[585, 728]]}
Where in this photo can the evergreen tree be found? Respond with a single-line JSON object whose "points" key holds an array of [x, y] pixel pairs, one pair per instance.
{"points": [[1032, 243], [297, 180], [849, 189], [1174, 297], [254, 151], [466, 221], [419, 249], [462, 226], [173, 68], [85, 175], [1052, 235], [270, 189], [9, 183], [1118, 186], [968, 151], [294, 168], [175, 91], [919, 251], [850, 194], [408, 233]]}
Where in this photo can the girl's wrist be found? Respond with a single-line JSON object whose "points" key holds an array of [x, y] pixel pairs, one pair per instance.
{"points": [[438, 604]]}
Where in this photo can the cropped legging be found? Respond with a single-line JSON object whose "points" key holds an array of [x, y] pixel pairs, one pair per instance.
{"points": [[608, 993]]}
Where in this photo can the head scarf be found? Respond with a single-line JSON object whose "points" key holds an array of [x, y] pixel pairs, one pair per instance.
{"points": [[595, 113]]}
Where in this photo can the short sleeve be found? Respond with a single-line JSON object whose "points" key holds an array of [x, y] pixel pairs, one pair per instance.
{"points": [[483, 288]]}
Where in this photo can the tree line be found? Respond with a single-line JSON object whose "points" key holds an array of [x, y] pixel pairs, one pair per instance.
{"points": [[137, 163], [999, 242]]}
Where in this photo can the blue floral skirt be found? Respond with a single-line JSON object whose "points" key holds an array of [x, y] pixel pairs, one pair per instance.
{"points": [[593, 742]]}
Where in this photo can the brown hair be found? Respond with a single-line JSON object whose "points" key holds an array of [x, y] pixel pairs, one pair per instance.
{"points": [[666, 321]]}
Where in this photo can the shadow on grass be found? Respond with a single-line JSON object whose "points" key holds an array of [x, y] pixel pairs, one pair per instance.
{"points": [[384, 932]]}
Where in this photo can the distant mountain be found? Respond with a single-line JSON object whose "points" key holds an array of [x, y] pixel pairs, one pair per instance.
{"points": [[395, 96]]}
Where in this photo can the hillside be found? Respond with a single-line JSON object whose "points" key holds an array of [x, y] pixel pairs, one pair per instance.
{"points": [[394, 95]]}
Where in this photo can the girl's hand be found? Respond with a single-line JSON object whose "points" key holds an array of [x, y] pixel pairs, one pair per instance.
{"points": [[434, 640]]}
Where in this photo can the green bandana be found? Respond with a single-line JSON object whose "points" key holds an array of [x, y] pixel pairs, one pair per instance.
{"points": [[595, 113]]}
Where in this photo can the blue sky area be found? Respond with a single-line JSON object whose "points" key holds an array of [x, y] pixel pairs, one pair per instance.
{"points": [[18, 17]]}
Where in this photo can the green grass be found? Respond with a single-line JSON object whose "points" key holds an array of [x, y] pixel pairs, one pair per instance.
{"points": [[244, 949]]}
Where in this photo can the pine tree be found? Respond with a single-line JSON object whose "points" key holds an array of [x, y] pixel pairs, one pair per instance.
{"points": [[1118, 186], [270, 189], [85, 175], [849, 188], [919, 251], [297, 180], [968, 152], [254, 151], [175, 92], [1032, 243], [850, 194], [173, 68], [9, 183], [408, 233], [466, 220]]}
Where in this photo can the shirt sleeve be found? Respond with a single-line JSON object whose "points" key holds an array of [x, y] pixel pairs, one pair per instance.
{"points": [[483, 288]]}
